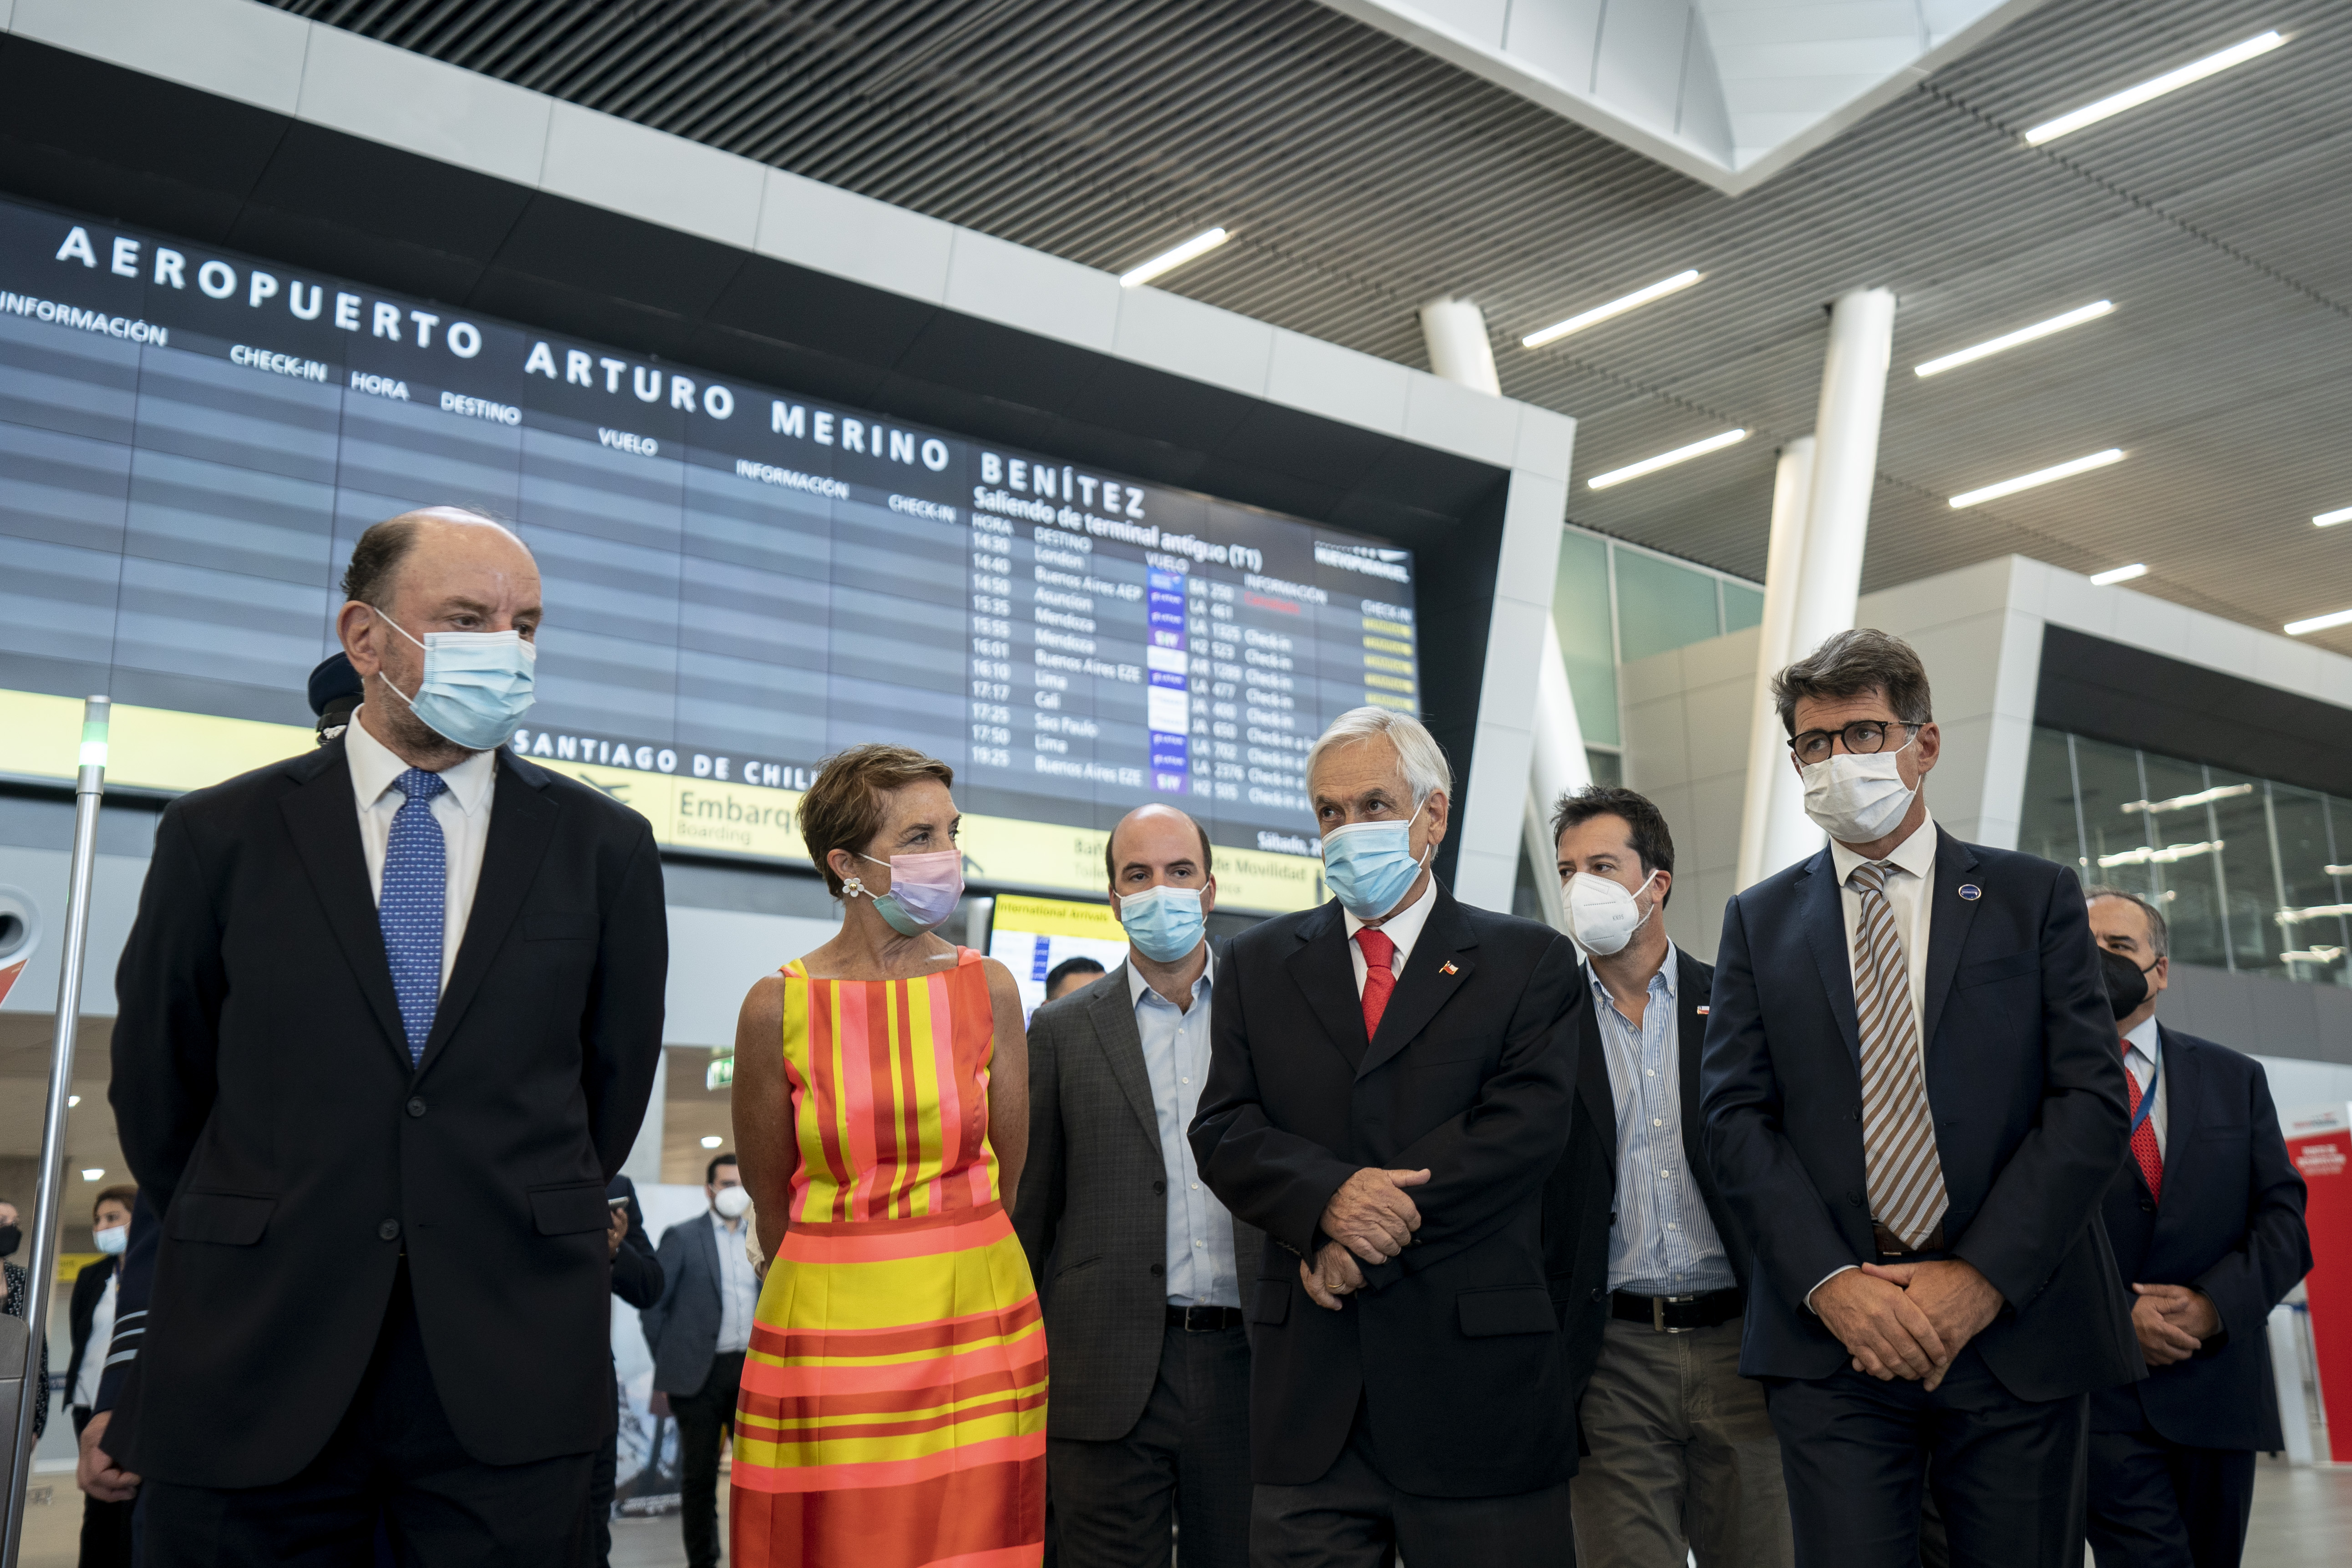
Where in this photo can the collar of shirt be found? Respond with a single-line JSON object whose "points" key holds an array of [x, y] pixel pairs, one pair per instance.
{"points": [[375, 767], [2143, 1042], [1915, 854], [1668, 974], [1138, 988], [1404, 928]]}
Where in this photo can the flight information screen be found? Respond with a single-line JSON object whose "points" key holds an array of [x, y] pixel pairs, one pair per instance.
{"points": [[740, 579]]}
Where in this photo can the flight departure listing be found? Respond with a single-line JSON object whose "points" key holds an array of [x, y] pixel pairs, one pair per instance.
{"points": [[740, 579]]}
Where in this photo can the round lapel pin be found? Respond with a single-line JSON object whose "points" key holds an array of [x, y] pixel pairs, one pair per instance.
{"points": [[1971, 891]]}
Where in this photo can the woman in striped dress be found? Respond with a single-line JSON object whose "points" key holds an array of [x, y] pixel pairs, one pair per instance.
{"points": [[893, 1412]]}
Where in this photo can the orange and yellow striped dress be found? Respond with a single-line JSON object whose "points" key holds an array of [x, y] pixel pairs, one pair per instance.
{"points": [[893, 1413]]}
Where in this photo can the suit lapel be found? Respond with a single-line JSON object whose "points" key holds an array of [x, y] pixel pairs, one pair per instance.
{"points": [[2178, 1068], [1440, 965], [1326, 975], [1949, 917], [1690, 1006], [522, 822], [1592, 1073], [323, 818], [1113, 1011], [1824, 922]]}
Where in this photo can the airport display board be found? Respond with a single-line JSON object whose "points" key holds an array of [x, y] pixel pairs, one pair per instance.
{"points": [[740, 579]]}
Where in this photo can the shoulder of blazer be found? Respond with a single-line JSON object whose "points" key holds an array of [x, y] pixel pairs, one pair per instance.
{"points": [[1782, 886], [1278, 934], [2213, 1054], [259, 787], [1696, 973]]}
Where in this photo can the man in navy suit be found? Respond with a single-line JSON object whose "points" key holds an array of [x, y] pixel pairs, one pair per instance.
{"points": [[2207, 1222], [1914, 1104]]}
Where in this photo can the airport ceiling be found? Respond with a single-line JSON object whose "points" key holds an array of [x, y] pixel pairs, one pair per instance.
{"points": [[1361, 176]]}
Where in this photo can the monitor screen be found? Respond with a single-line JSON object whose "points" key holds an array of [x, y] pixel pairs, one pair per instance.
{"points": [[740, 579]]}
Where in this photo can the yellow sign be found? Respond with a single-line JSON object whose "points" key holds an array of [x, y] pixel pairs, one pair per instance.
{"points": [[1058, 917]]}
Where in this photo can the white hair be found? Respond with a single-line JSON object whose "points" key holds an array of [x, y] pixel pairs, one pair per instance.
{"points": [[1427, 771]]}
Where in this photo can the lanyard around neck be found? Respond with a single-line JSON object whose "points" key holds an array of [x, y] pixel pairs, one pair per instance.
{"points": [[2155, 1081]]}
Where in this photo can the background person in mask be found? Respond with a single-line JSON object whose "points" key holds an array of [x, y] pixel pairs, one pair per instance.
{"points": [[2206, 1218], [1681, 1460], [698, 1332], [90, 1318], [1914, 1104], [1139, 1264], [12, 1302], [893, 1411], [1389, 1088], [391, 1012]]}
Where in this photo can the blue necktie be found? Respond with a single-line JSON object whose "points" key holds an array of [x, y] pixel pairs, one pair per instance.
{"points": [[416, 880]]}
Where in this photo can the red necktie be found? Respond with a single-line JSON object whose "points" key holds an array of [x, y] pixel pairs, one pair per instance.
{"points": [[2143, 1142], [1380, 948]]}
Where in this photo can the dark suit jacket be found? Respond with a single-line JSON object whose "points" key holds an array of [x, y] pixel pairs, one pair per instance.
{"points": [[637, 1271], [1093, 1214], [1580, 1198], [89, 1286], [138, 1273], [266, 1103], [2231, 1226], [1453, 1347], [682, 1327], [2028, 1092]]}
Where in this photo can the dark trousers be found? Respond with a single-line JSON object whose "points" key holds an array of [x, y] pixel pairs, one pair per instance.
{"points": [[1352, 1517], [1856, 1453], [1186, 1464], [701, 1416], [2155, 1503], [105, 1526], [394, 1457], [599, 1482]]}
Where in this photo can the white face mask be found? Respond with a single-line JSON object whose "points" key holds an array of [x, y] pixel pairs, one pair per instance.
{"points": [[1856, 800], [1601, 915], [732, 1202]]}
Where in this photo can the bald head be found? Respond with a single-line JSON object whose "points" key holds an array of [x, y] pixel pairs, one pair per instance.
{"points": [[1156, 844]]}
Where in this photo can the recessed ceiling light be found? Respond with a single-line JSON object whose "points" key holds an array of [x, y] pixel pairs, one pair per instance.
{"points": [[712, 1142], [93, 1175], [1639, 296], [2156, 87], [1665, 459], [1169, 261], [2041, 476], [2010, 340], [2319, 623], [2330, 519], [2120, 575]]}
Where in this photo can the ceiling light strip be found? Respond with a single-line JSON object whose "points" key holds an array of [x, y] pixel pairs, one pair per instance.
{"points": [[2319, 623], [1665, 459], [2330, 519], [2040, 477], [2113, 575], [1638, 298], [1167, 261], [2022, 335], [2133, 97]]}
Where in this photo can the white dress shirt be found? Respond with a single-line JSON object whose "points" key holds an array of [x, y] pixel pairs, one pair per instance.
{"points": [[2139, 1060], [463, 810], [1911, 871], [1404, 928], [1200, 1240], [94, 1349], [739, 1287]]}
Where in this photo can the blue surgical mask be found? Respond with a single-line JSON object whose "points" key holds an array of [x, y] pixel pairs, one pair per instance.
{"points": [[476, 685], [112, 1241], [1368, 865], [1164, 923]]}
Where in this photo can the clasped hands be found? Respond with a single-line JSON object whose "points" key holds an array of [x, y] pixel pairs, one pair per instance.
{"points": [[1907, 1319], [1370, 1217], [2173, 1323]]}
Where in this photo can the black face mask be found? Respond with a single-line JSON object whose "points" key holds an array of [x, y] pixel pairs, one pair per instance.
{"points": [[2126, 982], [10, 1239]]}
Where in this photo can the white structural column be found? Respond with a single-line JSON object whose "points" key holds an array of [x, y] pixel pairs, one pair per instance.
{"points": [[1820, 601], [1557, 765], [1772, 792], [1459, 350]]}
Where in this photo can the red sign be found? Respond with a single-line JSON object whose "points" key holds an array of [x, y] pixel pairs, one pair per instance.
{"points": [[2320, 1144]]}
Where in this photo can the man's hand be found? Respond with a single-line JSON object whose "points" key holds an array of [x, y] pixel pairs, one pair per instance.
{"points": [[1334, 1274], [1880, 1326], [95, 1473], [1371, 1216], [2173, 1321], [1957, 1300], [619, 1229]]}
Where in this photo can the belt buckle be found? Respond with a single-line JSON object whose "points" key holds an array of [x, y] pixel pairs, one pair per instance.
{"points": [[1191, 1327], [1658, 1305]]}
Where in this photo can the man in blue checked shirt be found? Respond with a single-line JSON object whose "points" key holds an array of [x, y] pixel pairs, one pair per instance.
{"points": [[1683, 1460]]}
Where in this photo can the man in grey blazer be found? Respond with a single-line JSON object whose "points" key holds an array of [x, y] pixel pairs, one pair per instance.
{"points": [[698, 1332], [1138, 1267]]}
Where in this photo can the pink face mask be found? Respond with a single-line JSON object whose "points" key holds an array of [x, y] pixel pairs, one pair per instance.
{"points": [[924, 890]]}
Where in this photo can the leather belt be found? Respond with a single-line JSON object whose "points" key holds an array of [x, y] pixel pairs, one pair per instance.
{"points": [[1678, 1314], [1890, 1245], [1204, 1319]]}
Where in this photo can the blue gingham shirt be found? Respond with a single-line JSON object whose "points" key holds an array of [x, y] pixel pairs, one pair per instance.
{"points": [[1201, 1271], [1664, 1243]]}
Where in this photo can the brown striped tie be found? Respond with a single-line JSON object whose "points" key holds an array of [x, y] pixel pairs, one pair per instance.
{"points": [[1898, 1128]]}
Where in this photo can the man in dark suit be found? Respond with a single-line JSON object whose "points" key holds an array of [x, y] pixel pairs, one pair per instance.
{"points": [[636, 1279], [1914, 1106], [1679, 1457], [1389, 1090], [1138, 1265], [700, 1332], [390, 1017], [2206, 1218]]}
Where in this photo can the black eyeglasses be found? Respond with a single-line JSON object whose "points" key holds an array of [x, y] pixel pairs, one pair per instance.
{"points": [[1862, 738]]}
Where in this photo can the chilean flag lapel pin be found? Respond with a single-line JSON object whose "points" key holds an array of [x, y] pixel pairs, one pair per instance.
{"points": [[1447, 968], [1702, 1011]]}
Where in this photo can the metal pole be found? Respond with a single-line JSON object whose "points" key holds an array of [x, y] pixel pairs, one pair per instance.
{"points": [[90, 784]]}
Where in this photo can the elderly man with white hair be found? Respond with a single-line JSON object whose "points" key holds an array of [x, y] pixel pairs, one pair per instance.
{"points": [[1389, 1086]]}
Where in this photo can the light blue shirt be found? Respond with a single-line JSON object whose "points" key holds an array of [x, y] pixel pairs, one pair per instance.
{"points": [[1664, 1243], [1200, 1271], [739, 1285]]}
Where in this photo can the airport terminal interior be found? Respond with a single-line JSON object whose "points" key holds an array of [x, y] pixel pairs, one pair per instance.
{"points": [[1104, 397]]}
